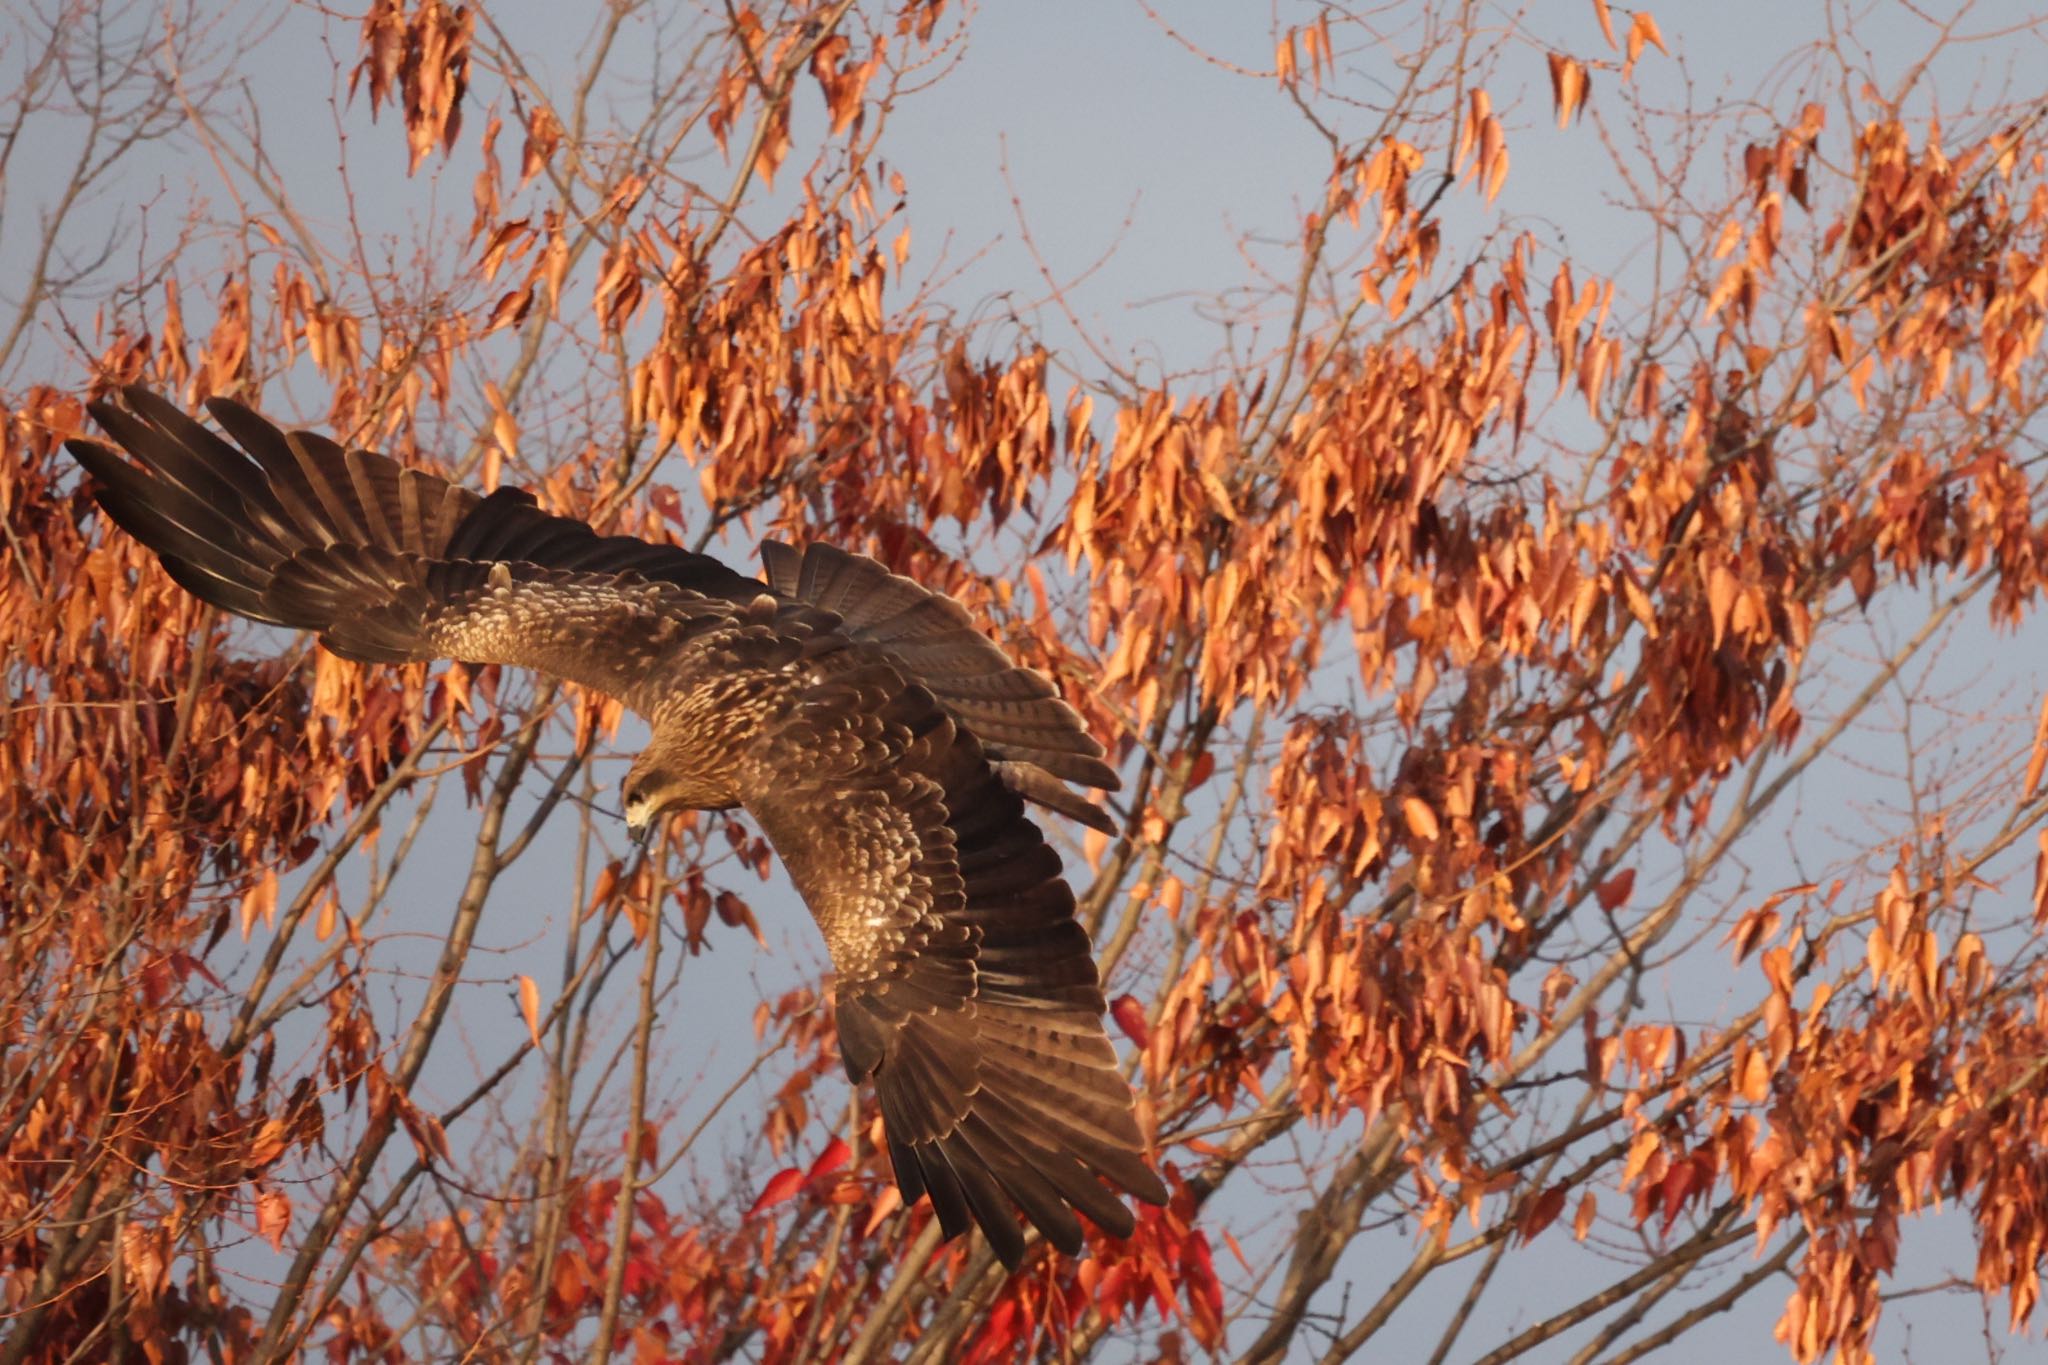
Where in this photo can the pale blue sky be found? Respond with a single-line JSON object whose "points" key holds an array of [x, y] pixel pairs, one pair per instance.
{"points": [[1118, 141]]}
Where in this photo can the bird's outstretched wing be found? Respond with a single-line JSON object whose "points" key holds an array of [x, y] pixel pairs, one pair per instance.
{"points": [[965, 989], [391, 564]]}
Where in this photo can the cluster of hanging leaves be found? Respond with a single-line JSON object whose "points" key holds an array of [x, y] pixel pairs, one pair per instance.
{"points": [[1452, 648], [158, 785]]}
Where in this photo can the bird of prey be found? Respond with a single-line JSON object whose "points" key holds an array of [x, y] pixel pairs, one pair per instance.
{"points": [[885, 747]]}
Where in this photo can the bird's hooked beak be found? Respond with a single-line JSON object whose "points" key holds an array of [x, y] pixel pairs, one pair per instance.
{"points": [[639, 811]]}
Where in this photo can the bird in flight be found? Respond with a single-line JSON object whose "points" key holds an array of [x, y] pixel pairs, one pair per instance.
{"points": [[885, 747]]}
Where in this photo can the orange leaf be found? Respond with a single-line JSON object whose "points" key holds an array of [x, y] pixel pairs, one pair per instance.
{"points": [[506, 432], [260, 901], [1753, 1078], [509, 310], [607, 887], [1606, 19], [529, 1005], [1615, 890], [2039, 760], [2041, 881], [1639, 605], [273, 1217], [1093, 845], [886, 1203], [1643, 29], [1567, 86], [1755, 927], [1720, 599], [1582, 1221], [271, 1140], [1421, 819]]}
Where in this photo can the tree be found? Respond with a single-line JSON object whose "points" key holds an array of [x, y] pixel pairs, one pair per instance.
{"points": [[1467, 641]]}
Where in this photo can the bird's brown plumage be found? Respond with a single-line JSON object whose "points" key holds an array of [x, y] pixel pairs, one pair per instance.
{"points": [[885, 746]]}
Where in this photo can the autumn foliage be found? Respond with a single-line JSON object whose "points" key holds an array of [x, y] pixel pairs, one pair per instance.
{"points": [[1487, 650]]}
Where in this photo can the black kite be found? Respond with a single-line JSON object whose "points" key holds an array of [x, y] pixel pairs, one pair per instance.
{"points": [[884, 745]]}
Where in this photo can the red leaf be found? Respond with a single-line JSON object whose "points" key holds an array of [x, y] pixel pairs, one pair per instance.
{"points": [[780, 1187], [835, 1155], [1540, 1212], [1130, 1017], [184, 963], [662, 497], [1678, 1184], [1000, 1332]]}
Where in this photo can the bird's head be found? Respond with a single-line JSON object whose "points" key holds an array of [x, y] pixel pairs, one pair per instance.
{"points": [[645, 795]]}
